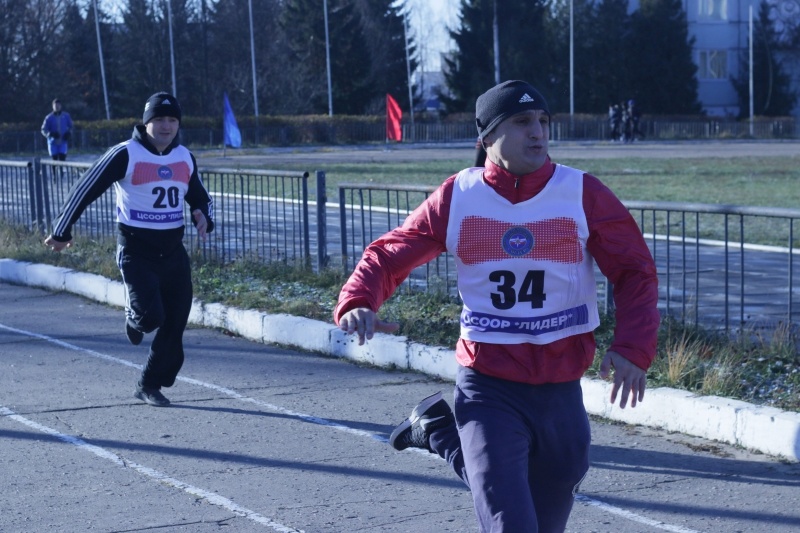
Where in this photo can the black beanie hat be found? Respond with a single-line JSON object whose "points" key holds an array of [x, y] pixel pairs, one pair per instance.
{"points": [[161, 105], [502, 101]]}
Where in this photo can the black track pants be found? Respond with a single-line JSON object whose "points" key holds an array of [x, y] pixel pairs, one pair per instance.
{"points": [[158, 298]]}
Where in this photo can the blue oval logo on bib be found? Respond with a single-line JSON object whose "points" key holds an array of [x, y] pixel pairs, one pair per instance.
{"points": [[164, 172], [517, 241]]}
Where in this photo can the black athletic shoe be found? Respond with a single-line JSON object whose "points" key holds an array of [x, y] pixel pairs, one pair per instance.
{"points": [[134, 335], [151, 396], [414, 432]]}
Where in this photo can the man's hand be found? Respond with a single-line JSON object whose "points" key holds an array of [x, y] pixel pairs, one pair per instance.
{"points": [[55, 245], [365, 322], [630, 377], [200, 223]]}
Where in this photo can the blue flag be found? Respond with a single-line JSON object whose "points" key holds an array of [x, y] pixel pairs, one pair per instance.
{"points": [[230, 129]]}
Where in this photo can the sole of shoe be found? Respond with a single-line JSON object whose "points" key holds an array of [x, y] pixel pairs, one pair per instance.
{"points": [[399, 430], [416, 413]]}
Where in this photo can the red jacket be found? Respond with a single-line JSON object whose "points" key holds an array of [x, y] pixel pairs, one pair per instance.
{"points": [[615, 242]]}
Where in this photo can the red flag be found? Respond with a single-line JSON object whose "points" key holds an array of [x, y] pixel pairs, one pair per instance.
{"points": [[393, 115]]}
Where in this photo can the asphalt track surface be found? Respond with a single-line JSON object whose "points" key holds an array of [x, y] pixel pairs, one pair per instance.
{"points": [[260, 439]]}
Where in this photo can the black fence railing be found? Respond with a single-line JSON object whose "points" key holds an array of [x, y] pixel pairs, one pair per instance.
{"points": [[367, 211], [728, 267], [260, 214]]}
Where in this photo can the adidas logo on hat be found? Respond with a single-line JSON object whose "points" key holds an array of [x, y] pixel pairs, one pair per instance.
{"points": [[525, 98], [161, 104]]}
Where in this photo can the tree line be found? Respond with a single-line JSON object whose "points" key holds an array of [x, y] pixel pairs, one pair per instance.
{"points": [[645, 55], [49, 48]]}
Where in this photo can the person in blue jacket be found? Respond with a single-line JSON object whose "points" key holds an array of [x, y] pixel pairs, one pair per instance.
{"points": [[57, 128]]}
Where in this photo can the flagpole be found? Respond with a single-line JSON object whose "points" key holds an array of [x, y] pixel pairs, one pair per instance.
{"points": [[328, 58], [750, 75], [100, 52], [171, 49], [496, 45], [253, 65], [408, 74], [571, 62]]}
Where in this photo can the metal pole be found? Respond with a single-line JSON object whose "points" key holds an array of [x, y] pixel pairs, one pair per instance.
{"points": [[751, 70], [328, 58], [408, 74], [322, 223], [571, 62], [171, 49], [100, 52], [496, 38], [253, 61]]}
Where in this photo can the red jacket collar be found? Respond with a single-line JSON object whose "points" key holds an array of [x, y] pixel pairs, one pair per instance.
{"points": [[516, 188]]}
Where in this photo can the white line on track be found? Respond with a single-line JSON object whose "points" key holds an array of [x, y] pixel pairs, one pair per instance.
{"points": [[210, 497], [632, 516], [228, 504]]}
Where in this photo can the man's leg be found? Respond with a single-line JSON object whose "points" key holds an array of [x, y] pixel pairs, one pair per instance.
{"points": [[431, 426], [166, 351], [143, 314], [560, 456], [495, 442]]}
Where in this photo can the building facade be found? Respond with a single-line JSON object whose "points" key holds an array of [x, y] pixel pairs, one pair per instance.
{"points": [[721, 29]]}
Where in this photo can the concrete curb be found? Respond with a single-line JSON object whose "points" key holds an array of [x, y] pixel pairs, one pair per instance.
{"points": [[763, 429]]}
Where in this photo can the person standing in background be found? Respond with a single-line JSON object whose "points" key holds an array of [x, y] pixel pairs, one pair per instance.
{"points": [[57, 128]]}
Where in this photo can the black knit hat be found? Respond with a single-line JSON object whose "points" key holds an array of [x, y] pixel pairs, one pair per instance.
{"points": [[502, 101], [161, 105]]}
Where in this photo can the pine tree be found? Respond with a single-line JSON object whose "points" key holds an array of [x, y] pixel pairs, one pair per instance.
{"points": [[470, 70], [231, 62], [80, 69], [140, 60], [659, 59], [604, 75], [303, 22], [383, 26], [531, 49], [526, 51]]}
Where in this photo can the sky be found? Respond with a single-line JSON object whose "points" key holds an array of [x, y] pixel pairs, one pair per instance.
{"points": [[428, 21]]}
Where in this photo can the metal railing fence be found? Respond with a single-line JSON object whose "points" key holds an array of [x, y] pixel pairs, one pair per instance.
{"points": [[367, 211], [563, 128], [728, 267], [261, 215]]}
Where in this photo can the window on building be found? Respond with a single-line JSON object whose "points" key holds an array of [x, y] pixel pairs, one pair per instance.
{"points": [[712, 10], [712, 65]]}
